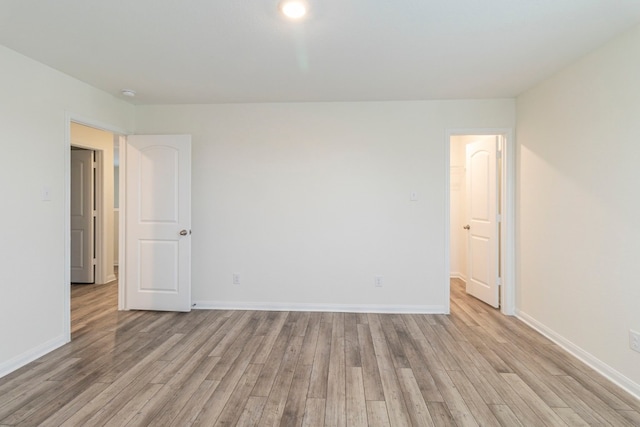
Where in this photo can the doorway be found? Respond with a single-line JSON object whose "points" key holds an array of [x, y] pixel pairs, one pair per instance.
{"points": [[467, 249], [100, 141]]}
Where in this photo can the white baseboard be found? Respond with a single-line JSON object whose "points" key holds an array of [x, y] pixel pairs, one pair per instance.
{"points": [[31, 355], [339, 308], [595, 363], [456, 275]]}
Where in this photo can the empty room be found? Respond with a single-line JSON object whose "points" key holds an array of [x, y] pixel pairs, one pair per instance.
{"points": [[320, 213]]}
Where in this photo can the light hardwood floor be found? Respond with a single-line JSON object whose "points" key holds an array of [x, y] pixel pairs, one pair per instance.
{"points": [[473, 367]]}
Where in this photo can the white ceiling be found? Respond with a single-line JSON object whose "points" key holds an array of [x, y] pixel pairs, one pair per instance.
{"points": [[218, 51]]}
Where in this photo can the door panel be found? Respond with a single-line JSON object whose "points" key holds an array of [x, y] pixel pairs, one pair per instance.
{"points": [[82, 194], [158, 209], [158, 269], [159, 168], [481, 208]]}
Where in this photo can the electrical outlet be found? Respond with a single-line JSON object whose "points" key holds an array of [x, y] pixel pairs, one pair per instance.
{"points": [[377, 281], [236, 278], [634, 340]]}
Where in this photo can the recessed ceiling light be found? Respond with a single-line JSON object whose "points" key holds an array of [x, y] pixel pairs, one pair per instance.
{"points": [[128, 92], [294, 9]]}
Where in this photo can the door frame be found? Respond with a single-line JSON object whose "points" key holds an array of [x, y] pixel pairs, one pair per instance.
{"points": [[83, 120], [507, 209]]}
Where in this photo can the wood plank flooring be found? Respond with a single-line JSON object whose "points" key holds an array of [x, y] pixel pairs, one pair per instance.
{"points": [[474, 367]]}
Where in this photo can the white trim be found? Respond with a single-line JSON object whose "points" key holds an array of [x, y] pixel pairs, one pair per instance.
{"points": [[100, 238], [66, 284], [122, 191], [458, 275], [339, 308], [507, 290], [116, 214], [31, 355], [447, 224], [602, 368]]}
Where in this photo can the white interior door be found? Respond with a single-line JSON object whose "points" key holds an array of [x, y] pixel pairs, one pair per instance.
{"points": [[482, 223], [158, 222], [82, 196]]}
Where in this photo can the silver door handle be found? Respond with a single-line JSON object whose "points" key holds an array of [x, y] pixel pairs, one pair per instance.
{"points": [[467, 227], [183, 232]]}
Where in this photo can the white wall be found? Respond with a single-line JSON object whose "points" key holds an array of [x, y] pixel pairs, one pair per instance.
{"points": [[33, 102], [579, 205], [308, 202]]}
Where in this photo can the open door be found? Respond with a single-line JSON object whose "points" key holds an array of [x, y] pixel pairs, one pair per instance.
{"points": [[482, 221], [82, 216], [158, 222]]}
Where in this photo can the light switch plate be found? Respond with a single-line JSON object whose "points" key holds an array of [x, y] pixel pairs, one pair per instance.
{"points": [[46, 193]]}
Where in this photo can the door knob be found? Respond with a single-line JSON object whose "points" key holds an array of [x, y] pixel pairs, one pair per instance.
{"points": [[467, 227], [183, 232]]}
